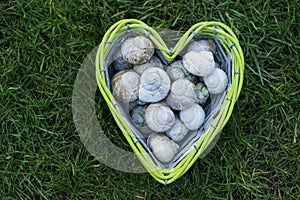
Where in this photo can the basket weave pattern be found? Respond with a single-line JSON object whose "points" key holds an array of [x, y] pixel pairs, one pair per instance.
{"points": [[224, 103]]}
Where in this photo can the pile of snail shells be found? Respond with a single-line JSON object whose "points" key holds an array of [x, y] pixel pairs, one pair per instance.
{"points": [[166, 101]]}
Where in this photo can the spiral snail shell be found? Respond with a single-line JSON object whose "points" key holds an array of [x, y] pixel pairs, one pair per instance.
{"points": [[182, 95], [192, 117], [163, 148], [159, 117], [178, 131], [216, 82], [199, 63], [125, 85], [137, 50], [154, 85]]}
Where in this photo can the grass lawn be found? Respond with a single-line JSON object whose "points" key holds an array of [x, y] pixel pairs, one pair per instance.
{"points": [[43, 44]]}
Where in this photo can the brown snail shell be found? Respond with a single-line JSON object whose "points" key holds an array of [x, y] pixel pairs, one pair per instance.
{"points": [[137, 50], [125, 85]]}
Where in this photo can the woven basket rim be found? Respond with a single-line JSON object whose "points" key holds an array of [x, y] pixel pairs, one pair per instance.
{"points": [[211, 29]]}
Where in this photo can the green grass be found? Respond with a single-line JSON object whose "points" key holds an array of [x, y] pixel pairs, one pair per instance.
{"points": [[43, 44]]}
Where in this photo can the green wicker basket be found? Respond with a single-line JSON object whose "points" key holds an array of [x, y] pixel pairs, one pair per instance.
{"points": [[222, 105]]}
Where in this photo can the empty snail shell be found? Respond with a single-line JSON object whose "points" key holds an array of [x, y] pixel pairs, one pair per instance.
{"points": [[154, 85], [137, 50], [125, 85], [178, 131], [202, 93], [163, 148], [159, 117], [192, 117], [216, 82], [199, 63], [182, 95], [202, 45]]}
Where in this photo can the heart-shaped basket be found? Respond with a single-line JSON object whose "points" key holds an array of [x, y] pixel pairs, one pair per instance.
{"points": [[200, 143]]}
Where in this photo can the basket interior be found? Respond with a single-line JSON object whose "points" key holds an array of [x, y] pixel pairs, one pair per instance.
{"points": [[211, 108]]}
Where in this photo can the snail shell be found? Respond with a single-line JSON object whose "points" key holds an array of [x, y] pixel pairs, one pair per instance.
{"points": [[216, 82], [159, 117], [163, 148], [199, 63], [154, 85], [125, 85], [137, 50], [202, 93], [177, 71], [178, 131], [202, 45], [192, 117], [182, 95]]}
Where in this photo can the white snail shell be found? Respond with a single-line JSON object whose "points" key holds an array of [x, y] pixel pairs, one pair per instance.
{"points": [[182, 95], [202, 45], [159, 117], [199, 63], [163, 148], [125, 85], [193, 117], [202, 93], [154, 85], [216, 82], [137, 50], [178, 131]]}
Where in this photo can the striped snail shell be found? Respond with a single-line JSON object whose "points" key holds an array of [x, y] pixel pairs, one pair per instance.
{"points": [[216, 82], [137, 50], [125, 85], [178, 131], [154, 85], [192, 117], [159, 117]]}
